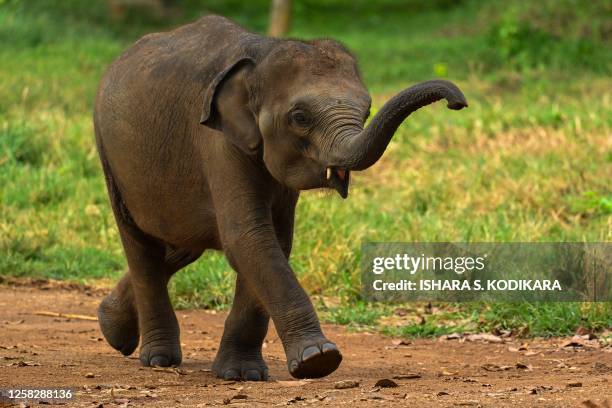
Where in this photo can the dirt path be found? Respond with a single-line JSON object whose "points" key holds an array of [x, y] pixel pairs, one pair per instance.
{"points": [[46, 351]]}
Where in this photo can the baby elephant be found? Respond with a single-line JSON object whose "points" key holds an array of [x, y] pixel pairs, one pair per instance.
{"points": [[206, 134]]}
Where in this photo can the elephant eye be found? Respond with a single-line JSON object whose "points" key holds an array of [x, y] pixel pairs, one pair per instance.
{"points": [[301, 118]]}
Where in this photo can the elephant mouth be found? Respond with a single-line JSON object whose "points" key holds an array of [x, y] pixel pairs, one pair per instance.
{"points": [[338, 179]]}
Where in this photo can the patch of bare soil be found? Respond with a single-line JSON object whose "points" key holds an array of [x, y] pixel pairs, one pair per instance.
{"points": [[48, 338]]}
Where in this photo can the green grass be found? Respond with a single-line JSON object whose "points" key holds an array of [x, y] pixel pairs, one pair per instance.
{"points": [[419, 320], [528, 161]]}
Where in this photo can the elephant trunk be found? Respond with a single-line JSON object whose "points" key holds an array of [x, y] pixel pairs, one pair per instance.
{"points": [[360, 151]]}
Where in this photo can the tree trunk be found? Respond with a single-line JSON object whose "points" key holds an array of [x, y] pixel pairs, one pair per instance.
{"points": [[280, 18]]}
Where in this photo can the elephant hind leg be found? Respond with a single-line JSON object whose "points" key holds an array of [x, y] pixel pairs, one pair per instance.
{"points": [[118, 318], [117, 314], [140, 305]]}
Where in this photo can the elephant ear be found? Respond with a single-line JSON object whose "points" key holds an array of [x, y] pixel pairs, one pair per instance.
{"points": [[227, 106]]}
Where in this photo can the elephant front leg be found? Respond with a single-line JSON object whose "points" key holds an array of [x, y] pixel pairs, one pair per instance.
{"points": [[252, 247], [239, 356]]}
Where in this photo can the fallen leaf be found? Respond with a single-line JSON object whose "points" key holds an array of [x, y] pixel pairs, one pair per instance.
{"points": [[585, 333], [121, 401], [439, 394], [522, 347], [453, 336], [148, 393], [344, 384], [385, 383], [90, 375], [495, 367], [25, 364], [173, 370], [574, 384], [14, 322], [399, 342], [592, 404], [292, 383], [601, 367], [400, 311], [489, 338], [522, 366], [574, 344], [491, 367], [296, 399], [407, 376], [538, 389], [502, 332]]}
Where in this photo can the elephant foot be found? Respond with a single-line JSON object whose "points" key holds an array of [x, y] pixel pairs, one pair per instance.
{"points": [[165, 351], [119, 324], [313, 358], [239, 363]]}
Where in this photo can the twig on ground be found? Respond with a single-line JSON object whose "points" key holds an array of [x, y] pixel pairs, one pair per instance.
{"points": [[66, 315]]}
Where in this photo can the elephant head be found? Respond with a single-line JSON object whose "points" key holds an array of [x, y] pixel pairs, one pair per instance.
{"points": [[302, 107]]}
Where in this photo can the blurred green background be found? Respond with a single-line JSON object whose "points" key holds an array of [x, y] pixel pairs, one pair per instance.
{"points": [[530, 160]]}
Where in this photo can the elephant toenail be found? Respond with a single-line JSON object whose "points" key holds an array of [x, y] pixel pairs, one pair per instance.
{"points": [[252, 375], [310, 352], [231, 374], [329, 347], [160, 361]]}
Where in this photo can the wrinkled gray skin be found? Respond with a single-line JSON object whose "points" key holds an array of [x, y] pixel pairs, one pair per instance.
{"points": [[206, 134]]}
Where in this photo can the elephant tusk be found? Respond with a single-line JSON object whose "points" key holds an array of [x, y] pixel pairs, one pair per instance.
{"points": [[329, 173]]}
